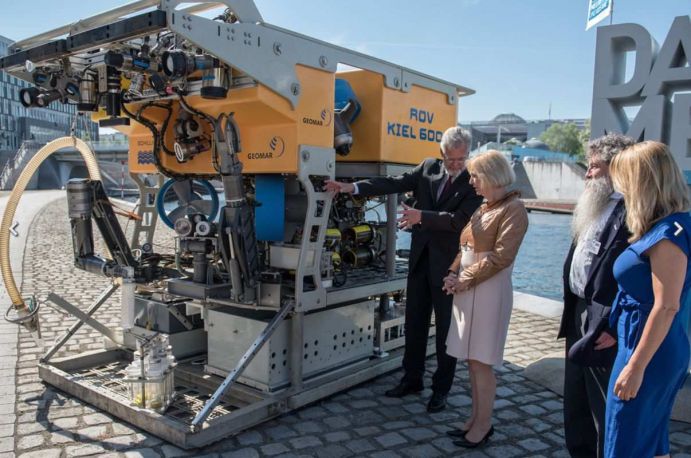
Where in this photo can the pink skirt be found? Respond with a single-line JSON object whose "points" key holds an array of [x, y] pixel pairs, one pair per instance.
{"points": [[481, 315]]}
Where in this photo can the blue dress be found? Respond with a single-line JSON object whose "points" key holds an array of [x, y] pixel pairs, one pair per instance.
{"points": [[639, 427]]}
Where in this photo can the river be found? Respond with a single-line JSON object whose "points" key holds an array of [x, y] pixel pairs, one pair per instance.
{"points": [[539, 265]]}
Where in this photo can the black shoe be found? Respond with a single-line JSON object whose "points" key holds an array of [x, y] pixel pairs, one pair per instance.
{"points": [[464, 442], [457, 433], [436, 403], [403, 389]]}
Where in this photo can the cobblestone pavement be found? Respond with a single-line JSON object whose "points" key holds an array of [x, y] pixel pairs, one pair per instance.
{"points": [[47, 423]]}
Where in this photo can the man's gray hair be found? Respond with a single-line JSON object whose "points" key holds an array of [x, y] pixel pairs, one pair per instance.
{"points": [[453, 138], [608, 146]]}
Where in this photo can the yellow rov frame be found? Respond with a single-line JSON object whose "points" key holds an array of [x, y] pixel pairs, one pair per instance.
{"points": [[396, 126], [281, 94]]}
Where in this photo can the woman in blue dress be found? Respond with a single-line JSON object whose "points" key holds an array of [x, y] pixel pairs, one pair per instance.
{"points": [[653, 276]]}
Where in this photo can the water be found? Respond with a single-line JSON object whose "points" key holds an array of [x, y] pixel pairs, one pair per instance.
{"points": [[539, 265]]}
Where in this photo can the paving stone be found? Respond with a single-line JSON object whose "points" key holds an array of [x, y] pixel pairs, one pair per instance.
{"points": [[502, 403], [96, 419], [171, 451], [280, 432], [83, 450], [532, 410], [421, 451], [367, 430], [360, 446], [683, 439], [364, 404], [415, 409], [61, 437], [123, 428], [533, 444], [336, 436], [385, 454], [144, 453], [8, 419], [333, 451], [308, 427], [337, 422], [31, 441], [242, 453], [419, 434], [503, 391], [459, 400], [8, 430], [390, 440], [43, 453], [250, 438], [274, 449], [66, 423], [305, 442], [392, 425], [504, 451], [445, 444], [93, 433], [311, 413], [336, 407]]}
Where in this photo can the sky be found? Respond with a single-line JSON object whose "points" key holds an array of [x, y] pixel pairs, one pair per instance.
{"points": [[520, 56]]}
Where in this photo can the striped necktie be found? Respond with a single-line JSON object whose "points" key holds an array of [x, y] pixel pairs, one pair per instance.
{"points": [[446, 188]]}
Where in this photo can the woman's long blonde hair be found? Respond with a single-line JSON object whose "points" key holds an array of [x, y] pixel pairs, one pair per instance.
{"points": [[652, 184]]}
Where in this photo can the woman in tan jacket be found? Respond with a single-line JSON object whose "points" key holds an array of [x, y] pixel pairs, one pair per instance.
{"points": [[480, 279]]}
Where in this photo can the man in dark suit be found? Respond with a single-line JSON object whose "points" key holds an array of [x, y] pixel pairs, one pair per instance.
{"points": [[600, 235], [444, 202]]}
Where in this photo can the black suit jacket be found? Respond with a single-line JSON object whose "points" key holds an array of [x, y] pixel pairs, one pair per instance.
{"points": [[600, 291], [442, 221]]}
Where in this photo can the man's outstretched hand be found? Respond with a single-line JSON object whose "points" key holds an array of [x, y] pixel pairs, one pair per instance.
{"points": [[409, 217], [338, 186]]}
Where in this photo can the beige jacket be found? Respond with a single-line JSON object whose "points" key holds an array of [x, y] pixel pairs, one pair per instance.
{"points": [[497, 228]]}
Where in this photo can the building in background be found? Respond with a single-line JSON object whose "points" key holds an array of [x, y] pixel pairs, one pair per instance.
{"points": [[509, 130], [40, 125]]}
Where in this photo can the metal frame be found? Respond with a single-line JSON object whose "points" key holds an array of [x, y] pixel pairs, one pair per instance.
{"points": [[314, 162], [64, 374], [242, 364], [100, 300], [148, 217], [85, 318], [267, 53]]}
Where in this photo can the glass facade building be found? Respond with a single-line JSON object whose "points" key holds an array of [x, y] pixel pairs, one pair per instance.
{"points": [[42, 125]]}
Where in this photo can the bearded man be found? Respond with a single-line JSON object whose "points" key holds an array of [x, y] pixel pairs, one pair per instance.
{"points": [[599, 236]]}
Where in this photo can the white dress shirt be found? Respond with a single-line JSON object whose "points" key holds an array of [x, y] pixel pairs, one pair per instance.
{"points": [[587, 247]]}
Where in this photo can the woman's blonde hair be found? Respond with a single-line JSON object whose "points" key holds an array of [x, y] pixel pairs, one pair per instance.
{"points": [[652, 184], [492, 168]]}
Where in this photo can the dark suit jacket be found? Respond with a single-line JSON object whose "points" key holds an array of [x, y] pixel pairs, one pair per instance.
{"points": [[442, 221], [600, 290]]}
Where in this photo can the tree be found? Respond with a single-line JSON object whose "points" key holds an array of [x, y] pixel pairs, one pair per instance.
{"points": [[565, 138], [585, 138]]}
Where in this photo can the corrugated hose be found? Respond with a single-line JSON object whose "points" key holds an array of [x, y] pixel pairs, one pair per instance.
{"points": [[64, 142]]}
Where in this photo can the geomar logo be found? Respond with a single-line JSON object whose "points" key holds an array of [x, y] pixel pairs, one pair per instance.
{"points": [[326, 117], [277, 146]]}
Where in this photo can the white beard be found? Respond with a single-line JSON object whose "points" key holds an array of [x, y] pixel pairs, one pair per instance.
{"points": [[591, 204]]}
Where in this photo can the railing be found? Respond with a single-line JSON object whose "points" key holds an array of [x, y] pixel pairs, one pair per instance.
{"points": [[12, 167]]}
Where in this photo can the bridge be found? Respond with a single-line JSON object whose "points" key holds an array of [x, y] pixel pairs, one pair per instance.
{"points": [[67, 163]]}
